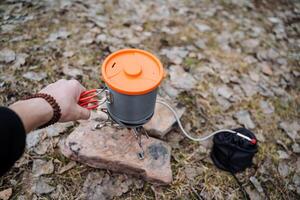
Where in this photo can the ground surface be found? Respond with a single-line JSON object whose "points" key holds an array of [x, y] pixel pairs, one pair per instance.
{"points": [[230, 63]]}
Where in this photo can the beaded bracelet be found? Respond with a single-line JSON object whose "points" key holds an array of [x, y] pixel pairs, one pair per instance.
{"points": [[56, 109]]}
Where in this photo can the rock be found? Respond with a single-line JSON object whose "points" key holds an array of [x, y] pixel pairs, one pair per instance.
{"points": [[282, 154], [72, 72], [67, 167], [6, 194], [248, 86], [291, 129], [256, 184], [33, 138], [20, 59], [225, 104], [283, 169], [192, 172], [175, 54], [33, 76], [61, 34], [180, 79], [41, 167], [253, 194], [203, 27], [68, 54], [7, 55], [102, 186], [162, 121], [244, 118], [41, 186], [225, 91], [250, 44], [266, 107], [296, 148], [116, 150], [266, 69], [254, 76], [42, 147], [296, 179], [200, 43]]}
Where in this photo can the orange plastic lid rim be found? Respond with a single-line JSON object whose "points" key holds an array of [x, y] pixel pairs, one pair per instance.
{"points": [[132, 71]]}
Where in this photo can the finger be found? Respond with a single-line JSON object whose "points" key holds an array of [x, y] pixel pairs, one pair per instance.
{"points": [[82, 113]]}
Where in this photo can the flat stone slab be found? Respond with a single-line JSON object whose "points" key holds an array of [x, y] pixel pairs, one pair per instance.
{"points": [[116, 149], [162, 121]]}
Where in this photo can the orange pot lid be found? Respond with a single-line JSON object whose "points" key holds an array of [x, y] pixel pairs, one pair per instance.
{"points": [[132, 71]]}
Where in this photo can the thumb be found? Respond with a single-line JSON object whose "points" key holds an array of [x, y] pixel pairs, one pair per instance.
{"points": [[82, 113]]}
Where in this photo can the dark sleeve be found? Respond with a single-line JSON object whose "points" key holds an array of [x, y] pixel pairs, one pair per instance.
{"points": [[12, 139]]}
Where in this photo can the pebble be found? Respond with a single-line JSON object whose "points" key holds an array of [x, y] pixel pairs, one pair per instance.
{"points": [[7, 55], [283, 169], [72, 72], [60, 34], [6, 194], [181, 79], [41, 186], [291, 129], [283, 154], [266, 107], [203, 27], [175, 54], [225, 91], [244, 118], [41, 167], [266, 69], [256, 184], [20, 59], [34, 76], [296, 148]]}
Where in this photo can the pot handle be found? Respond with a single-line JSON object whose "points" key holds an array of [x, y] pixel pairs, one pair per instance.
{"points": [[89, 99]]}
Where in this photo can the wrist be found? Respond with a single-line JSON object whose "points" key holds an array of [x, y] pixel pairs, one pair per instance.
{"points": [[33, 112]]}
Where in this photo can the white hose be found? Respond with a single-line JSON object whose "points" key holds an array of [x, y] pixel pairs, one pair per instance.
{"points": [[200, 139]]}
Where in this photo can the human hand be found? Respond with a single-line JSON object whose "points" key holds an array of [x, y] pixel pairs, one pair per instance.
{"points": [[67, 93]]}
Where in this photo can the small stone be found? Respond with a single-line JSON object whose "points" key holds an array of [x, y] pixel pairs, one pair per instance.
{"points": [[283, 169], [296, 179], [33, 76], [162, 121], [41, 186], [33, 138], [181, 79], [256, 184], [296, 148], [175, 54], [283, 154], [20, 59], [250, 44], [7, 55], [203, 27], [254, 76], [72, 72], [266, 107], [101, 38], [68, 54], [117, 149], [41, 167], [291, 129], [102, 186], [225, 91], [266, 69], [42, 147], [244, 118], [253, 194], [6, 194], [200, 43], [61, 34]]}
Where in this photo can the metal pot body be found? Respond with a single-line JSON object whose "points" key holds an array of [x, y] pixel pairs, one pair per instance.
{"points": [[131, 110]]}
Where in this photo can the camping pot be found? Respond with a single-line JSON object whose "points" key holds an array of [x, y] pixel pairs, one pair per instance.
{"points": [[132, 77]]}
